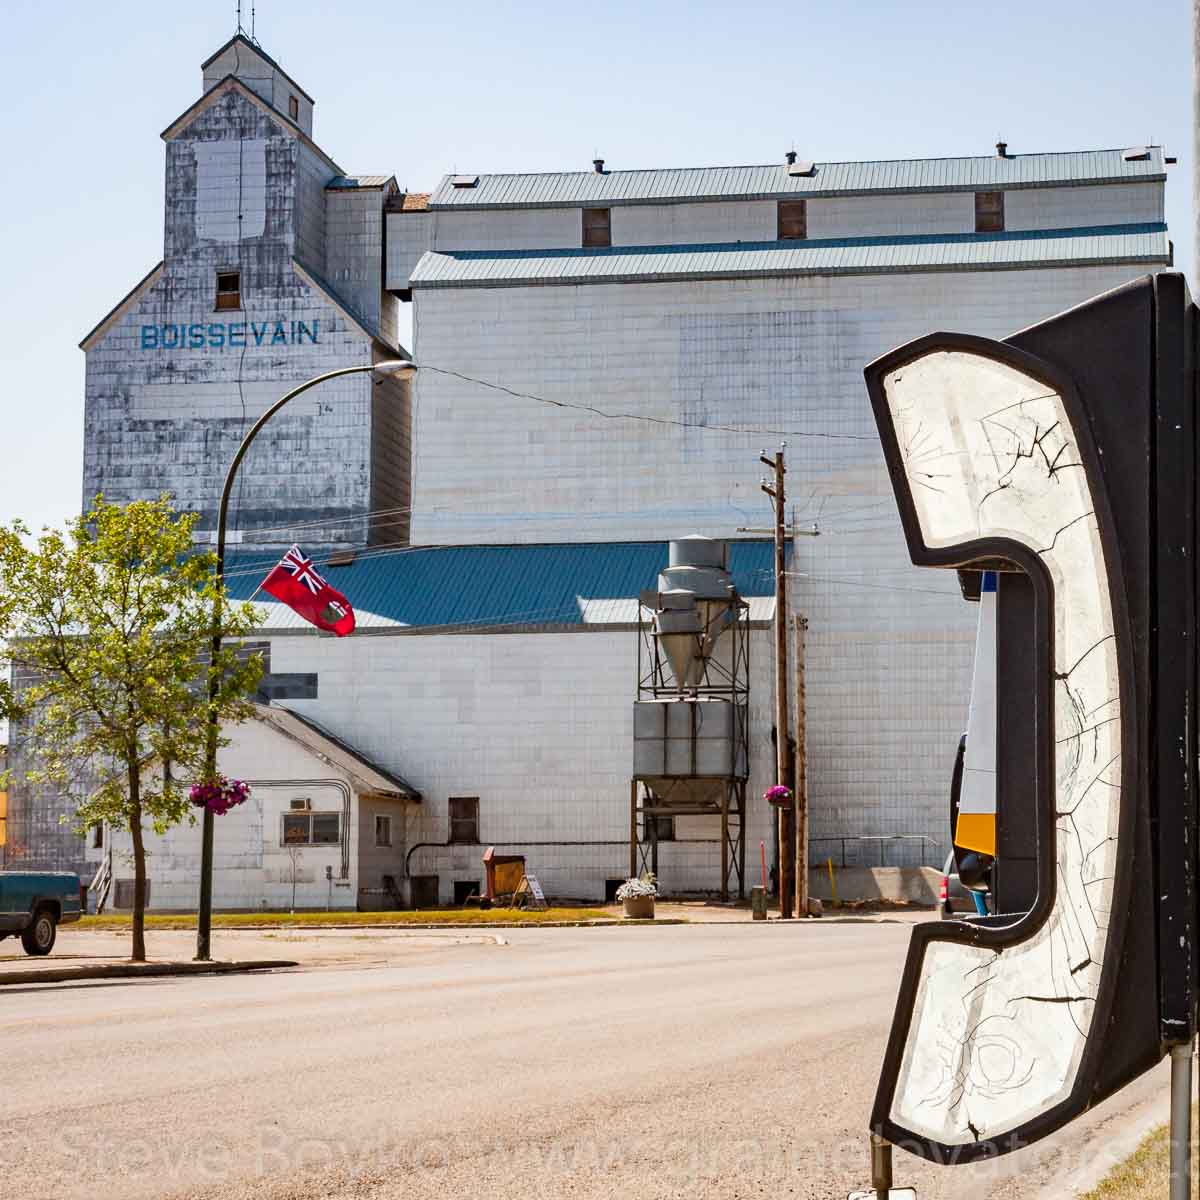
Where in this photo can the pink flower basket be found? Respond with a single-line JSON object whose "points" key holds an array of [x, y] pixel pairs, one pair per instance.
{"points": [[219, 795]]}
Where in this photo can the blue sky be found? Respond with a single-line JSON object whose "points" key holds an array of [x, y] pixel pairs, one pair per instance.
{"points": [[419, 90]]}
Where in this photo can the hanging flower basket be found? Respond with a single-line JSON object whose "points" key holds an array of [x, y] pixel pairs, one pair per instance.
{"points": [[778, 795], [219, 795]]}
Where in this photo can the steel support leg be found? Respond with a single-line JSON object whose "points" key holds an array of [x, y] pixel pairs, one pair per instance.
{"points": [[1181, 1122], [881, 1166]]}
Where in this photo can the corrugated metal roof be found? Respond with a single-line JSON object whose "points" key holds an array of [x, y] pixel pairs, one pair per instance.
{"points": [[313, 734], [465, 587], [569, 188], [853, 256]]}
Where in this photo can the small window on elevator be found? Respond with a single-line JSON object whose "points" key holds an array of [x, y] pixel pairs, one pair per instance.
{"points": [[229, 290], [597, 227], [294, 108], [793, 220], [989, 212]]}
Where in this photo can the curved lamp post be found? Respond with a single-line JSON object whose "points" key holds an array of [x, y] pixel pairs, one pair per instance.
{"points": [[401, 368]]}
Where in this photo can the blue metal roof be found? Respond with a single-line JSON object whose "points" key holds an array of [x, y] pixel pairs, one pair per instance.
{"points": [[490, 586], [577, 188], [1146, 243]]}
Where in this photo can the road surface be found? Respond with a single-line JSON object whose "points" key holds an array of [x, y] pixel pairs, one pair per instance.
{"points": [[715, 1060]]}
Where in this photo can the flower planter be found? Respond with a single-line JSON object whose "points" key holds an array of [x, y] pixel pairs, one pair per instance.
{"points": [[639, 908]]}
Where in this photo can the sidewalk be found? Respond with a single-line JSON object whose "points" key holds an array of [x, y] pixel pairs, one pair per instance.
{"points": [[104, 954]]}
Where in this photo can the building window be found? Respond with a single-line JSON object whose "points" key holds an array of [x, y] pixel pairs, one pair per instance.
{"points": [[464, 820], [229, 290], [793, 220], [312, 829], [98, 837], [597, 227], [464, 889], [383, 831], [989, 212], [663, 828], [294, 108]]}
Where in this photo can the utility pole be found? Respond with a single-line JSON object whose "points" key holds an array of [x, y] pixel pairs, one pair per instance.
{"points": [[801, 773], [783, 751]]}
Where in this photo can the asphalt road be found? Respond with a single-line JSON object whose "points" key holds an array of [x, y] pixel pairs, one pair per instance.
{"points": [[729, 1060]]}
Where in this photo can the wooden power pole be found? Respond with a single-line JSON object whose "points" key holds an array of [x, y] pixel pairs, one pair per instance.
{"points": [[783, 749], [801, 772]]}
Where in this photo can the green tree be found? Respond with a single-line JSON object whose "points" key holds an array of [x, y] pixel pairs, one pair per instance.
{"points": [[110, 622]]}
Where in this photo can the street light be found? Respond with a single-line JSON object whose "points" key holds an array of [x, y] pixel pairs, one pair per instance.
{"points": [[398, 368]]}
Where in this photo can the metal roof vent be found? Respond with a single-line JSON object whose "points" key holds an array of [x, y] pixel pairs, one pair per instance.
{"points": [[791, 158], [598, 165], [464, 181], [1136, 153], [801, 167], [1001, 149]]}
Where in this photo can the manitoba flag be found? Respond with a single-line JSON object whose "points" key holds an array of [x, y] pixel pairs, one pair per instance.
{"points": [[302, 588]]}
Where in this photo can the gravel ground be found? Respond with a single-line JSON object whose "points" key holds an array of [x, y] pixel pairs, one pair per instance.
{"points": [[717, 1060]]}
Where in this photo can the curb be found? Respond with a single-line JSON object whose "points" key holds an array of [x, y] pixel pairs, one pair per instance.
{"points": [[366, 928], [138, 970]]}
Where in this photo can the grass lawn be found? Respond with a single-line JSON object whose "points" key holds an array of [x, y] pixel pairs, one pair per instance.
{"points": [[1145, 1172], [455, 916]]}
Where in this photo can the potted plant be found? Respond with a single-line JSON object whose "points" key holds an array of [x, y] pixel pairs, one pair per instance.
{"points": [[637, 895]]}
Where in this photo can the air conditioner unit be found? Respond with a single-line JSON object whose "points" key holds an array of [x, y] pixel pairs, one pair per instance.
{"points": [[304, 805]]}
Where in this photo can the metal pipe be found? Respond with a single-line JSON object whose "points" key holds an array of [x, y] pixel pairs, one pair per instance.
{"points": [[399, 367], [1181, 1122], [881, 1166]]}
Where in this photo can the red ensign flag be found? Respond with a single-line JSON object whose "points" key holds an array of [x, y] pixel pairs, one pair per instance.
{"points": [[303, 589]]}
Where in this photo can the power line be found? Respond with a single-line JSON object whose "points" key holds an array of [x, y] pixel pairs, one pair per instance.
{"points": [[627, 416]]}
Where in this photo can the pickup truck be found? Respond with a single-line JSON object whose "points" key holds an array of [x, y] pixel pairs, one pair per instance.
{"points": [[34, 904]]}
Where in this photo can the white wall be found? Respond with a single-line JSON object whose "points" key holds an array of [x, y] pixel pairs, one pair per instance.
{"points": [[1064, 208], [889, 645], [538, 726], [774, 354], [252, 868], [411, 234]]}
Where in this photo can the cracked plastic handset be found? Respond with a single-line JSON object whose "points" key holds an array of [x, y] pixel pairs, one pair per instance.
{"points": [[993, 463]]}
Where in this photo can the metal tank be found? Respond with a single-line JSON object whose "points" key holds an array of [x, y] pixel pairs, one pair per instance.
{"points": [[691, 715]]}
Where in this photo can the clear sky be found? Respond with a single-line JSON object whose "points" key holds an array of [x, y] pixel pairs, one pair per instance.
{"points": [[417, 90]]}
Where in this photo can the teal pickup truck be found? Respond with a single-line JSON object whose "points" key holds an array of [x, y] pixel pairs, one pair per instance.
{"points": [[34, 903]]}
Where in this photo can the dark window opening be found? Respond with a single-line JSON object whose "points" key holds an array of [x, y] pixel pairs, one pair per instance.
{"points": [[383, 831], [989, 212], [294, 108], [464, 889], [464, 820], [97, 837], [597, 227], [793, 220], [423, 891], [229, 290], [662, 828], [312, 829]]}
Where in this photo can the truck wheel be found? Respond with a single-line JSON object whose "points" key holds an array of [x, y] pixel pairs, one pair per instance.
{"points": [[38, 938]]}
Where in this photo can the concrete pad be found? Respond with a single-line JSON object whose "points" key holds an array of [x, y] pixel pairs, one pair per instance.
{"points": [[909, 885]]}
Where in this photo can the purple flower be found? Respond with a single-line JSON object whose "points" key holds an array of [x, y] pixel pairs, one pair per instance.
{"points": [[777, 794]]}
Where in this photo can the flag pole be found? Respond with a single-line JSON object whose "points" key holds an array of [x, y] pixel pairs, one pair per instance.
{"points": [[402, 368]]}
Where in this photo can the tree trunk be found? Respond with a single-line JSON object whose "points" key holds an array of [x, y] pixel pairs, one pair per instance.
{"points": [[138, 952]]}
